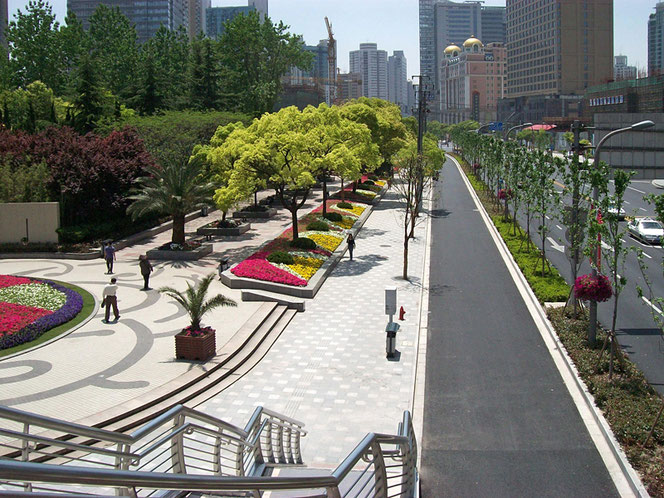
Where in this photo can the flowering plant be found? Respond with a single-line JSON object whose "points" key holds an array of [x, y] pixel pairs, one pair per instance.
{"points": [[589, 288], [504, 194], [190, 331]]}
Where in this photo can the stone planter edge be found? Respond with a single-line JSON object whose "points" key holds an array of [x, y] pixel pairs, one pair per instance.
{"points": [[194, 255]]}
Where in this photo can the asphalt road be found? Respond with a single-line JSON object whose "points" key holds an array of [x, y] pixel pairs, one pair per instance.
{"points": [[498, 420]]}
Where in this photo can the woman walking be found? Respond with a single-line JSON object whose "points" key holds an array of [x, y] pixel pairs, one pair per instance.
{"points": [[351, 245]]}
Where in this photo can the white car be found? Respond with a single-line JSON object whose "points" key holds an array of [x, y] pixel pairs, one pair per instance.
{"points": [[620, 213], [646, 230]]}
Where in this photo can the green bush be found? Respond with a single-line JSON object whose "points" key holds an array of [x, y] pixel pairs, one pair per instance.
{"points": [[373, 178], [368, 182], [281, 257], [335, 217], [318, 226], [363, 186], [303, 243], [345, 205]]}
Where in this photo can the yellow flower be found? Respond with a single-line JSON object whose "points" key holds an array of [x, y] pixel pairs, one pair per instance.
{"points": [[305, 267], [328, 242], [345, 223], [380, 183], [357, 209]]}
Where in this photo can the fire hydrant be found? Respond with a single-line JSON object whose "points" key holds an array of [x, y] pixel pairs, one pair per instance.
{"points": [[402, 314]]}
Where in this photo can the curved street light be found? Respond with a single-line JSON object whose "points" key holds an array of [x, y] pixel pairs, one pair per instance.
{"points": [[592, 326], [517, 127]]}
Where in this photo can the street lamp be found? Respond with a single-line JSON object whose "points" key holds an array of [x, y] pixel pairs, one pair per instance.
{"points": [[483, 127], [592, 326], [517, 127]]}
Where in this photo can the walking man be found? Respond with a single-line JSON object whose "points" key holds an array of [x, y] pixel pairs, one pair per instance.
{"points": [[351, 245], [109, 298], [109, 256], [146, 269]]}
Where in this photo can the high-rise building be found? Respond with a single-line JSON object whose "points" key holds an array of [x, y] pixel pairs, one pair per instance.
{"points": [[197, 10], [371, 64], [260, 6], [555, 50], [146, 15], [216, 17], [4, 18], [443, 23], [656, 41], [621, 70], [350, 86], [397, 80]]}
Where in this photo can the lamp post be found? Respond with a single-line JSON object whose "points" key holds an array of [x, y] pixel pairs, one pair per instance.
{"points": [[517, 127], [592, 326], [483, 127]]}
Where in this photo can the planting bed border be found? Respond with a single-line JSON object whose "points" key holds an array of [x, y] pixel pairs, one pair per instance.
{"points": [[315, 282], [224, 232], [261, 215], [196, 254]]}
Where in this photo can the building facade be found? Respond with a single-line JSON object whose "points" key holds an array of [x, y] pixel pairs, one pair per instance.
{"points": [[371, 64], [397, 80], [556, 49], [350, 86], [260, 6], [146, 15], [621, 70], [316, 77], [472, 80], [656, 41], [216, 17], [197, 10]]}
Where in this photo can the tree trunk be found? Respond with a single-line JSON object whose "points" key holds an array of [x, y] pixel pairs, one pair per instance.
{"points": [[343, 196], [178, 229], [404, 275], [223, 215], [324, 195], [293, 211]]}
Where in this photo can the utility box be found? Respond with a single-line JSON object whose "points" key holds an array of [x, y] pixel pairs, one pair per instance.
{"points": [[390, 301], [391, 339]]}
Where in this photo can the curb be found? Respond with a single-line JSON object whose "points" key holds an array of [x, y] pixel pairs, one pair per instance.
{"points": [[561, 358]]}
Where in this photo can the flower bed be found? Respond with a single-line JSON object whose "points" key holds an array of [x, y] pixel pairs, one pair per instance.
{"points": [[305, 262], [30, 307], [224, 228]]}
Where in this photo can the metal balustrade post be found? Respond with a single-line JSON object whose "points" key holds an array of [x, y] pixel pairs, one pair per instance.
{"points": [[380, 472], [281, 458], [25, 453], [216, 465], [177, 447], [269, 449]]}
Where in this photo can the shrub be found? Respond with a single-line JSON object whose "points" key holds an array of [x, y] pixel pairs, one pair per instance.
{"points": [[373, 178], [303, 243], [255, 208], [281, 257], [345, 205], [363, 186], [368, 182], [318, 226], [335, 217]]}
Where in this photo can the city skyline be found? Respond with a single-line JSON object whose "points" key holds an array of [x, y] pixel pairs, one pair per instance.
{"points": [[396, 24]]}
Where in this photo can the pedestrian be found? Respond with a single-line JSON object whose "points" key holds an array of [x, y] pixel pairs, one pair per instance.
{"points": [[146, 269], [351, 245], [109, 256], [109, 298]]}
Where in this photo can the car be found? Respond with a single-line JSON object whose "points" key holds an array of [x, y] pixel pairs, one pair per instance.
{"points": [[620, 213], [646, 230]]}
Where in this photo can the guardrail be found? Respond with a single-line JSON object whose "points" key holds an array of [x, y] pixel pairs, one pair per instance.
{"points": [[186, 450]]}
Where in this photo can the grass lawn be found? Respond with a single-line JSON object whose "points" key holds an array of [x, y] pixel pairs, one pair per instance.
{"points": [[86, 311]]}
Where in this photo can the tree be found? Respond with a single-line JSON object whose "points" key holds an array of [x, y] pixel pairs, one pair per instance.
{"points": [[148, 98], [203, 75], [89, 100], [194, 300], [255, 55], [545, 197], [175, 189], [74, 42], [35, 48]]}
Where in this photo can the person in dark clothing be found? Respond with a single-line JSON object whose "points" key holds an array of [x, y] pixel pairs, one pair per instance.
{"points": [[146, 269], [109, 256], [351, 245]]}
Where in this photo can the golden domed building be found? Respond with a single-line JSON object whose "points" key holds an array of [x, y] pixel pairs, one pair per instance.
{"points": [[472, 79]]}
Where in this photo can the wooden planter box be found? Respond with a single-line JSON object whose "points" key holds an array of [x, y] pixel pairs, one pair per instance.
{"points": [[255, 214], [198, 253], [195, 348], [235, 231]]}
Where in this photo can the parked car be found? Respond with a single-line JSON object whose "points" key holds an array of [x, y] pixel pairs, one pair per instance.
{"points": [[620, 213], [646, 230]]}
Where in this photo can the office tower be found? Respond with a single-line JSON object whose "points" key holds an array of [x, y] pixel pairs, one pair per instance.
{"points": [[621, 70], [216, 17], [371, 64], [397, 80], [556, 49], [197, 10], [146, 15], [472, 80], [260, 6], [350, 86], [656, 41], [4, 18]]}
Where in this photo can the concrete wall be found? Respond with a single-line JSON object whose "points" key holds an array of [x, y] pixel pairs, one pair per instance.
{"points": [[641, 151], [43, 218]]}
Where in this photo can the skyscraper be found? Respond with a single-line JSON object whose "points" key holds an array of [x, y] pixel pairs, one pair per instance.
{"points": [[260, 6], [371, 64], [216, 17], [146, 15], [656, 41], [197, 9], [397, 80], [621, 71], [556, 48]]}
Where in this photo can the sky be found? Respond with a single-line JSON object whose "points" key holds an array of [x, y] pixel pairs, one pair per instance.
{"points": [[393, 24]]}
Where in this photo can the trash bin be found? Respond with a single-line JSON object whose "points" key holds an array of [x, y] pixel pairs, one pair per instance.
{"points": [[223, 266], [204, 211], [391, 339]]}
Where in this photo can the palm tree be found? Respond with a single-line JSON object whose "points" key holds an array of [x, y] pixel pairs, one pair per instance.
{"points": [[193, 300], [172, 189]]}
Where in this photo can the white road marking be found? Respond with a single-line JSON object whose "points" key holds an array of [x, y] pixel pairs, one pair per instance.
{"points": [[607, 246], [647, 255], [626, 202], [555, 245], [547, 217], [655, 308], [636, 190], [643, 209], [559, 227]]}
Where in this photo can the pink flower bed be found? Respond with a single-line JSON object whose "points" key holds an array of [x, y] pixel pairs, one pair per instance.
{"points": [[261, 269], [9, 281], [13, 317]]}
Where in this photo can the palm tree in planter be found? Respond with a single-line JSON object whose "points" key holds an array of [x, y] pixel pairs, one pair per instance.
{"points": [[173, 189], [196, 342]]}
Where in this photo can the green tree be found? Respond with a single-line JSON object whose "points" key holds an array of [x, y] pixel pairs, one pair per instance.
{"points": [[175, 189], [148, 98], [194, 300], [255, 55], [204, 75], [89, 101], [74, 42], [35, 48]]}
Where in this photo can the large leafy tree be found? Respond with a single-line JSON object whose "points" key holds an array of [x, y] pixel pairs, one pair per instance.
{"points": [[255, 55], [35, 48], [74, 43], [175, 189], [204, 75]]}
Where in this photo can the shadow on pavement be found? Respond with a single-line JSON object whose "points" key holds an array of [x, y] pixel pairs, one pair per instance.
{"points": [[359, 265]]}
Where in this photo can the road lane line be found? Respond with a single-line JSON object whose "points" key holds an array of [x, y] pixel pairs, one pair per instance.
{"points": [[646, 255], [642, 209], [637, 190], [627, 202], [655, 308], [559, 227]]}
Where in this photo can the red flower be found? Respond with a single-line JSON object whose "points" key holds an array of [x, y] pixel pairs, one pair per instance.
{"points": [[596, 289]]}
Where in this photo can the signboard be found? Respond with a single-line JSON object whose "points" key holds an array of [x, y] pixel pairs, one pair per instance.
{"points": [[496, 126], [390, 300]]}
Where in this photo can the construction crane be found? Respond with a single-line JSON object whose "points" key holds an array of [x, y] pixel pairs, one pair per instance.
{"points": [[331, 63]]}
